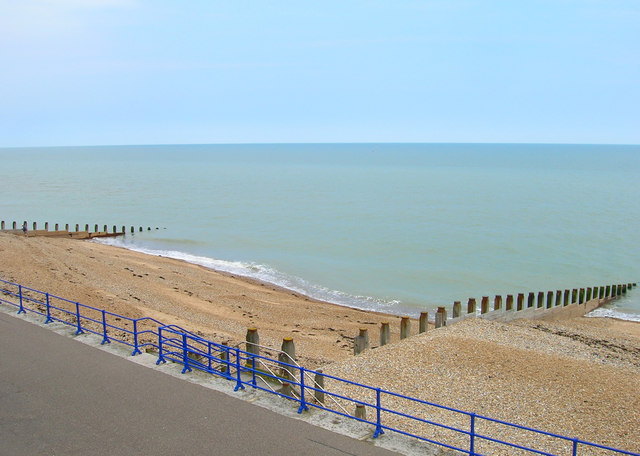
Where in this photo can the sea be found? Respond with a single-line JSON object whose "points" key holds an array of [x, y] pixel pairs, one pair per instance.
{"points": [[398, 228]]}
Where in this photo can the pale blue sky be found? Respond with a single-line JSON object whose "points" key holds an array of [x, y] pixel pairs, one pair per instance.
{"points": [[84, 72]]}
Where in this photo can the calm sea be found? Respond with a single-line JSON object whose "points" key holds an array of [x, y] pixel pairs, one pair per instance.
{"points": [[393, 227]]}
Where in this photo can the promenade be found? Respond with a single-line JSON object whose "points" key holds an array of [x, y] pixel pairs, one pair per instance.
{"points": [[63, 397]]}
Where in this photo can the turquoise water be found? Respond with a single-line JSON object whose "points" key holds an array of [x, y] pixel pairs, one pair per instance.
{"points": [[392, 227]]}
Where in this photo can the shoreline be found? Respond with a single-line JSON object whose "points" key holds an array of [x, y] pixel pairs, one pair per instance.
{"points": [[571, 376]]}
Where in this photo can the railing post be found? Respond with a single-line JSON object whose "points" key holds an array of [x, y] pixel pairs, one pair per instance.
{"points": [[379, 429], [21, 309], [239, 384], [49, 319], [303, 404], [575, 447], [105, 339], [254, 382], [136, 350], [185, 357], [209, 354], [472, 435], [79, 326], [160, 357]]}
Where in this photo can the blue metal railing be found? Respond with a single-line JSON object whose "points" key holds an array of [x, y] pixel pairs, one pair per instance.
{"points": [[178, 345]]}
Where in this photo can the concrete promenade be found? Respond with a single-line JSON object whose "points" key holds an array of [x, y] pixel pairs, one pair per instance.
{"points": [[62, 397]]}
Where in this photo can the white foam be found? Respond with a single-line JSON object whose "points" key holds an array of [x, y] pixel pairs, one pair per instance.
{"points": [[266, 274], [602, 312]]}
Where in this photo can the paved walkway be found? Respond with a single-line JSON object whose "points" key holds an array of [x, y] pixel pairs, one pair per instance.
{"points": [[62, 397]]}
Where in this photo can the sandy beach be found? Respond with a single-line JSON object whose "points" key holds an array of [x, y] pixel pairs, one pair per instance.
{"points": [[578, 377]]}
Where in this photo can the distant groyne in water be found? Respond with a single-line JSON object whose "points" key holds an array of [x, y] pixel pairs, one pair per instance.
{"points": [[68, 231]]}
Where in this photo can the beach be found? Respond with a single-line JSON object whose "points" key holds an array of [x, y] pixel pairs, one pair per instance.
{"points": [[578, 377]]}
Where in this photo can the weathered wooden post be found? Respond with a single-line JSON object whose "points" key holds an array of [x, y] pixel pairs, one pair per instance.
{"points": [[319, 386], [558, 298], [457, 309], [361, 342], [484, 305], [132, 230], [540, 302], [46, 226], [581, 296], [253, 342], [287, 355], [423, 323], [405, 327], [224, 357], [549, 299], [589, 290], [530, 299], [124, 229], [115, 230], [497, 302], [56, 227], [624, 288], [520, 303], [509, 304], [77, 227], [471, 306], [607, 291], [574, 295], [140, 229], [105, 229], [2, 225], [384, 333], [14, 225], [95, 228], [361, 412], [567, 296], [35, 226], [441, 317], [86, 227]]}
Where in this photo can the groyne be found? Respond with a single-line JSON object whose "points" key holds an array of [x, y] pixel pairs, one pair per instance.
{"points": [[67, 230]]}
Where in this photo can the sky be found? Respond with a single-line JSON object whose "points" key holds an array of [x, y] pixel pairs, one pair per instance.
{"points": [[109, 72]]}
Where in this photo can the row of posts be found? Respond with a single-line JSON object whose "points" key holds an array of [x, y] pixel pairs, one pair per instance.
{"points": [[77, 227], [541, 299]]}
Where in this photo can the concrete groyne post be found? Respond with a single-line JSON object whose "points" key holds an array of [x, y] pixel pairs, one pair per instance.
{"points": [[361, 342], [520, 302], [497, 303], [509, 304], [441, 317], [549, 299], [384, 333], [471, 306], [423, 323], [405, 327], [530, 299], [457, 309], [318, 381], [287, 356], [484, 305], [540, 302]]}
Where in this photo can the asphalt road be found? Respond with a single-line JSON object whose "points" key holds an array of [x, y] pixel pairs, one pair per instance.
{"points": [[62, 397]]}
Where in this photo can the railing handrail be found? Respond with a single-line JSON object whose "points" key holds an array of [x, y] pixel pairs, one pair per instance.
{"points": [[291, 368]]}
